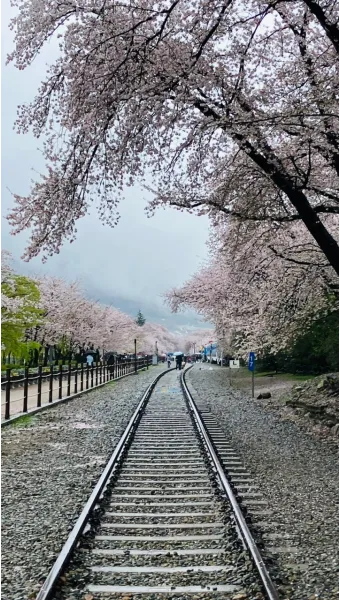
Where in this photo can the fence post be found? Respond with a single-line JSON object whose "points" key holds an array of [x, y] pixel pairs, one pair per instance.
{"points": [[82, 377], [135, 356], [76, 379], [92, 367], [39, 385], [147, 362], [60, 393], [50, 395], [69, 379], [8, 394], [87, 375], [96, 373], [100, 372], [25, 389]]}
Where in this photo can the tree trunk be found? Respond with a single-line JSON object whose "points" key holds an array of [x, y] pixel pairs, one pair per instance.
{"points": [[310, 218], [272, 165]]}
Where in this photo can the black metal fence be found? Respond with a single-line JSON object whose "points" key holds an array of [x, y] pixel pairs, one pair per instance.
{"points": [[43, 386]]}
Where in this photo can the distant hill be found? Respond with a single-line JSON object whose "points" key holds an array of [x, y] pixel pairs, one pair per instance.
{"points": [[153, 312]]}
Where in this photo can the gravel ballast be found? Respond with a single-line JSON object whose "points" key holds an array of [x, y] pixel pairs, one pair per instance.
{"points": [[50, 464], [92, 566], [297, 475]]}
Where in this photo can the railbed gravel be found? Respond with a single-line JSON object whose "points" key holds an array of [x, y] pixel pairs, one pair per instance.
{"points": [[50, 465], [240, 574], [297, 475]]}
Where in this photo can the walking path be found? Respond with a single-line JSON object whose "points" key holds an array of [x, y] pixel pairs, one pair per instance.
{"points": [[17, 395]]}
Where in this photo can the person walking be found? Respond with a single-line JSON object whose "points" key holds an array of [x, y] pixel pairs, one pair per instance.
{"points": [[169, 361], [110, 364], [179, 359]]}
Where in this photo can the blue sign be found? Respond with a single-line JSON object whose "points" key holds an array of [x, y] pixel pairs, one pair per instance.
{"points": [[251, 361]]}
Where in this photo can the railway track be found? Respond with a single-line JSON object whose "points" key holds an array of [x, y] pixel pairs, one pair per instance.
{"points": [[163, 518]]}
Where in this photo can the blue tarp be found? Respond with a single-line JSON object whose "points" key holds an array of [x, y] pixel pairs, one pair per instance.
{"points": [[210, 348]]}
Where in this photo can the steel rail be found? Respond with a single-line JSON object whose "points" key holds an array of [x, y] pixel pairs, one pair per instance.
{"points": [[64, 556], [248, 539]]}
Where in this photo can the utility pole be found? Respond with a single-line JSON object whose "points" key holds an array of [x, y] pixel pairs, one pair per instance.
{"points": [[135, 357]]}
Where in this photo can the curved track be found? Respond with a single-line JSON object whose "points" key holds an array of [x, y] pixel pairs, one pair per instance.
{"points": [[163, 518]]}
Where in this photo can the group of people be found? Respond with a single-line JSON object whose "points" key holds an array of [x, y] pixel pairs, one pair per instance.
{"points": [[178, 359]]}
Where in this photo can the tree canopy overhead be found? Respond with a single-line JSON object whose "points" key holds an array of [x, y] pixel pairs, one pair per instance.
{"points": [[230, 106], [261, 288]]}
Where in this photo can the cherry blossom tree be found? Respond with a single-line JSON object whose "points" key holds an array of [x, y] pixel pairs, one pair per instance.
{"points": [[261, 288], [72, 319], [229, 107], [195, 339], [118, 330], [150, 333], [47, 311], [168, 341]]}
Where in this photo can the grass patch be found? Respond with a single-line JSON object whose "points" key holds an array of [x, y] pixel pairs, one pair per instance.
{"points": [[266, 374], [24, 421], [241, 378], [285, 376], [294, 377]]}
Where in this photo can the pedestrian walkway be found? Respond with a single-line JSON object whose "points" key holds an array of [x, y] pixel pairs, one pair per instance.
{"points": [[80, 381], [17, 395]]}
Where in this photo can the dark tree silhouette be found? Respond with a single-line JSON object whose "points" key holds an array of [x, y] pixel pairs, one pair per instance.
{"points": [[140, 320]]}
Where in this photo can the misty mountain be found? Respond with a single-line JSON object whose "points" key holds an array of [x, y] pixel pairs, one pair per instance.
{"points": [[153, 312]]}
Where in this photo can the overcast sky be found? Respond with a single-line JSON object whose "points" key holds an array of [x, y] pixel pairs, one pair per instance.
{"points": [[130, 266]]}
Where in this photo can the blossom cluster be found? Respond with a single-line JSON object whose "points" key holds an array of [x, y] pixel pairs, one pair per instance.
{"points": [[231, 108], [67, 316], [260, 288]]}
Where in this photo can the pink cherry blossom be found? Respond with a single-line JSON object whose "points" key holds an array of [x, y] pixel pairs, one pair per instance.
{"points": [[230, 108], [261, 288], [69, 316]]}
